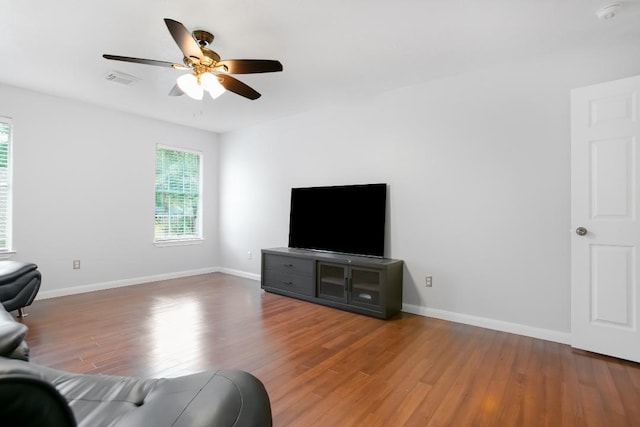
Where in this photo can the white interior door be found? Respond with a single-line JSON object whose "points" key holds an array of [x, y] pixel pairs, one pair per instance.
{"points": [[604, 204]]}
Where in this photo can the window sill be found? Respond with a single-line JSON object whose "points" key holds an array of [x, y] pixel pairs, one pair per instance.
{"points": [[182, 242], [7, 254]]}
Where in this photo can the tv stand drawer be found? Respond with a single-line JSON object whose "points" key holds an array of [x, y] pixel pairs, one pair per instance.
{"points": [[289, 265], [289, 282]]}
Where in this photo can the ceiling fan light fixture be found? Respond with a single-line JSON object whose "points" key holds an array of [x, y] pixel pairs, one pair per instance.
{"points": [[189, 84], [212, 85]]}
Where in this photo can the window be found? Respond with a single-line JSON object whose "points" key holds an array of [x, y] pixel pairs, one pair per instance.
{"points": [[5, 185], [178, 214]]}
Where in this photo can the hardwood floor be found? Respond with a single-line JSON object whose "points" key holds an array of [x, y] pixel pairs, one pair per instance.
{"points": [[324, 367]]}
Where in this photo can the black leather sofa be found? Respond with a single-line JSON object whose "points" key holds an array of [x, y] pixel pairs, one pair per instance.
{"points": [[33, 395]]}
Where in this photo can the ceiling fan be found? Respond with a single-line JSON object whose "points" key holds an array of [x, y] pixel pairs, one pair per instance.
{"points": [[207, 71]]}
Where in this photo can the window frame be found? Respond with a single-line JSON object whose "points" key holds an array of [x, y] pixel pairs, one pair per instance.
{"points": [[7, 249], [177, 240]]}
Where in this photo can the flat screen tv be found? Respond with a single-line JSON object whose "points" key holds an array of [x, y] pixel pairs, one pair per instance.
{"points": [[348, 219]]}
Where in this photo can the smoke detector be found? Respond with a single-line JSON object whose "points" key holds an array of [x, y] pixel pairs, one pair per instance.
{"points": [[608, 12], [122, 78]]}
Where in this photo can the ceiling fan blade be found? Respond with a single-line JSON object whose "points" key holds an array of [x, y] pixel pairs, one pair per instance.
{"points": [[184, 39], [236, 86], [176, 91], [142, 61], [250, 66]]}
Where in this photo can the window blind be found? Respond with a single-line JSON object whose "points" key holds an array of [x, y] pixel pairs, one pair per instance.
{"points": [[178, 194], [5, 184]]}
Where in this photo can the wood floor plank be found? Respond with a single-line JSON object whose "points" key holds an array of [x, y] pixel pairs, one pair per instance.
{"points": [[327, 367]]}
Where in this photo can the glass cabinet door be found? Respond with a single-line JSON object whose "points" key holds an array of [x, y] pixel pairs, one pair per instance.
{"points": [[332, 282], [365, 287]]}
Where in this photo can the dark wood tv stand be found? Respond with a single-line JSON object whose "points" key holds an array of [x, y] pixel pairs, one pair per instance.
{"points": [[365, 285]]}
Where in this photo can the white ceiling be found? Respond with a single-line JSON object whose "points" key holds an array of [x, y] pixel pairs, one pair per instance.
{"points": [[332, 50]]}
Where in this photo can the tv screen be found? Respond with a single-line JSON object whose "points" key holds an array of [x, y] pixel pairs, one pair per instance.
{"points": [[348, 219]]}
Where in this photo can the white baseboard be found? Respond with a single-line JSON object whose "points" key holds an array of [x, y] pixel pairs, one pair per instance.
{"points": [[239, 273], [125, 282], [483, 322]]}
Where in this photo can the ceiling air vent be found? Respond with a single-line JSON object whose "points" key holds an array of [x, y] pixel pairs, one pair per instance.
{"points": [[122, 78]]}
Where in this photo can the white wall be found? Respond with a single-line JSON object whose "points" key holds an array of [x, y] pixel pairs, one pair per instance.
{"points": [[84, 189], [478, 167]]}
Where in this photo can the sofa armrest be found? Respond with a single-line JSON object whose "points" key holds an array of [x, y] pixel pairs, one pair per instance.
{"points": [[12, 344], [30, 401]]}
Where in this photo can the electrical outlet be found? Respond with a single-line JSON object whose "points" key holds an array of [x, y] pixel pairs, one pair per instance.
{"points": [[76, 264], [428, 282], [249, 256]]}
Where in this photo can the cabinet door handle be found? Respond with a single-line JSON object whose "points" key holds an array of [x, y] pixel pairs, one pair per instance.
{"points": [[287, 265], [284, 282]]}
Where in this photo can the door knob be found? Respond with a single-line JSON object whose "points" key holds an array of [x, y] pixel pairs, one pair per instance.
{"points": [[581, 231]]}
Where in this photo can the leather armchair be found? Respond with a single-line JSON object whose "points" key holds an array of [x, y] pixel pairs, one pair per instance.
{"points": [[19, 284]]}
